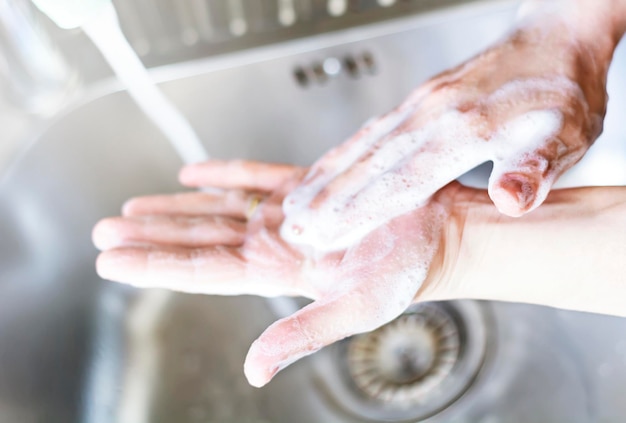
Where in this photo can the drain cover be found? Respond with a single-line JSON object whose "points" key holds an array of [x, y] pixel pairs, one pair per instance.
{"points": [[404, 360], [411, 368]]}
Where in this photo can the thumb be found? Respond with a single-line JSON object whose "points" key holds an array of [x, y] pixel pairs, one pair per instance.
{"points": [[518, 187], [318, 324]]}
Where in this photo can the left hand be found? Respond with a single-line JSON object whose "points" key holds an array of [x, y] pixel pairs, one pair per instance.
{"points": [[203, 242], [532, 104]]}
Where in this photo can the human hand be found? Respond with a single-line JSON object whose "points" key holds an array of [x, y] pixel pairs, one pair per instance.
{"points": [[201, 242], [533, 104]]}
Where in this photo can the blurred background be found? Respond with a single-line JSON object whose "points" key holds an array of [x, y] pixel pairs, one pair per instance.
{"points": [[279, 80]]}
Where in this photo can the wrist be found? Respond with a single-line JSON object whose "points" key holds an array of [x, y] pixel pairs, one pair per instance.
{"points": [[566, 254], [468, 210]]}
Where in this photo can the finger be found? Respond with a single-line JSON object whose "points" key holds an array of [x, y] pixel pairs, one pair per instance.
{"points": [[348, 216], [419, 136], [233, 203], [441, 160], [341, 158], [182, 231], [216, 270], [344, 218], [380, 276], [333, 218], [239, 174], [443, 139], [518, 187], [388, 153], [202, 270], [307, 331], [319, 324]]}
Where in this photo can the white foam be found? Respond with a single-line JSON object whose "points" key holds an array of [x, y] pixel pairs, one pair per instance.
{"points": [[341, 158], [408, 169]]}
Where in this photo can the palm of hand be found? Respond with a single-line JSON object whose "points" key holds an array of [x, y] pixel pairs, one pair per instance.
{"points": [[199, 242]]}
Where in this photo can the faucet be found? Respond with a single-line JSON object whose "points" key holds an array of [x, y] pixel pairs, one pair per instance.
{"points": [[34, 76]]}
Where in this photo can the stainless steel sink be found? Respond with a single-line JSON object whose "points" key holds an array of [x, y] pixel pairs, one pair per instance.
{"points": [[76, 348]]}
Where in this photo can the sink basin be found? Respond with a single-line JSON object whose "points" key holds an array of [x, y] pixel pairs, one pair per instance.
{"points": [[76, 348]]}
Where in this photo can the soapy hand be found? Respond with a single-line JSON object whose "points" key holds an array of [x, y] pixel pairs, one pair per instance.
{"points": [[532, 104], [203, 242]]}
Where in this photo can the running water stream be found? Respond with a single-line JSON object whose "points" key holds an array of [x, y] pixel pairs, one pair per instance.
{"points": [[104, 30]]}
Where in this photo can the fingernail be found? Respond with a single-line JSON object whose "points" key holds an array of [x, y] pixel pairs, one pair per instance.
{"points": [[521, 192]]}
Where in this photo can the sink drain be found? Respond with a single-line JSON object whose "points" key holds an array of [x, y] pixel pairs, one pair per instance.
{"points": [[405, 359], [411, 368]]}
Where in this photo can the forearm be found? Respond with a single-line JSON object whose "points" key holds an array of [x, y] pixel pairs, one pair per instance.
{"points": [[570, 253]]}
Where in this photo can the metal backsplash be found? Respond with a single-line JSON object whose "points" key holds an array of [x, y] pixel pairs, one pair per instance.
{"points": [[168, 31]]}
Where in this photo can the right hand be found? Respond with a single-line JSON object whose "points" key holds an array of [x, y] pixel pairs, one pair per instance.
{"points": [[533, 104]]}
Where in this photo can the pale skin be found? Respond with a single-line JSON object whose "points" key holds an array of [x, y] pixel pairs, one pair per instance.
{"points": [[566, 254], [202, 243], [453, 244], [555, 61]]}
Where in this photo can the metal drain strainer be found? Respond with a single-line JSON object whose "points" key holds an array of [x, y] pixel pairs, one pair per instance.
{"points": [[411, 368], [405, 359]]}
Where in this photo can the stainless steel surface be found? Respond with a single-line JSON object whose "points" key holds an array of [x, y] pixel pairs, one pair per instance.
{"points": [[76, 348], [405, 360], [411, 368], [163, 31]]}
